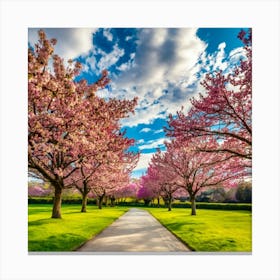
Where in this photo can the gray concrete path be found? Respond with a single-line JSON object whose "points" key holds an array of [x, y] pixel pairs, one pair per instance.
{"points": [[135, 231]]}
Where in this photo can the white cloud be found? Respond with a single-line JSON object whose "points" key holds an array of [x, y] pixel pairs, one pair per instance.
{"points": [[158, 131], [164, 65], [127, 38], [143, 161], [71, 42], [164, 55], [125, 66], [90, 64], [108, 34], [145, 116], [140, 141], [220, 62], [111, 58], [153, 144], [146, 129], [236, 54]]}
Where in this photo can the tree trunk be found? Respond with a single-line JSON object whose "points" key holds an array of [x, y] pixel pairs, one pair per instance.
{"points": [[165, 202], [169, 203], [112, 201], [106, 200], [84, 202], [193, 206], [158, 199], [146, 202], [100, 201], [56, 211]]}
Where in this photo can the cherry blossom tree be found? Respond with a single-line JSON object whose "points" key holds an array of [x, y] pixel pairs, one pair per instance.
{"points": [[199, 170], [81, 180], [110, 178], [145, 193], [150, 184], [167, 178], [115, 159], [103, 184], [128, 190], [124, 186], [68, 124], [224, 112], [38, 190], [182, 166]]}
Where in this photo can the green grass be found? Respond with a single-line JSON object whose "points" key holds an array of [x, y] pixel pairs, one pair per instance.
{"points": [[209, 230], [66, 234]]}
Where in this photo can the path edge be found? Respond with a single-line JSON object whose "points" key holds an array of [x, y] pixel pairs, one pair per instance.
{"points": [[176, 236], [93, 236]]}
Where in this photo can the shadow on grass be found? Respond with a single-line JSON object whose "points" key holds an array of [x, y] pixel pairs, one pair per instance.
{"points": [[57, 243], [178, 226], [38, 210], [219, 244], [41, 222]]}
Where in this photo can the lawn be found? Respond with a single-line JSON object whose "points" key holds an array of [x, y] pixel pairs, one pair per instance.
{"points": [[68, 233], [210, 230]]}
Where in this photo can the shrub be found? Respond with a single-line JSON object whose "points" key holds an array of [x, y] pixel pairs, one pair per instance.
{"points": [[49, 200], [217, 206], [244, 193]]}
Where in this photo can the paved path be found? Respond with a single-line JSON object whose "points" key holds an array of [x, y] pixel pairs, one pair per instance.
{"points": [[135, 231]]}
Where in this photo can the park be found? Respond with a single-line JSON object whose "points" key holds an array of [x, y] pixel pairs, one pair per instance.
{"points": [[194, 193], [210, 231]]}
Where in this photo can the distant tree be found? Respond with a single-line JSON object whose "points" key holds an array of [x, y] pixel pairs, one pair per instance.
{"points": [[38, 191], [127, 190], [197, 171], [111, 178], [244, 192], [166, 176], [145, 194], [218, 194], [150, 182]]}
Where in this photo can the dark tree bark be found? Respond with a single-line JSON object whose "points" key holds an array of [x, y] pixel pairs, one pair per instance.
{"points": [[106, 200], [84, 202], [100, 201], [169, 203], [146, 202], [56, 211], [112, 201], [193, 205]]}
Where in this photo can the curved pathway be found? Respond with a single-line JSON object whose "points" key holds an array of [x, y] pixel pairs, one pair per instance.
{"points": [[135, 231]]}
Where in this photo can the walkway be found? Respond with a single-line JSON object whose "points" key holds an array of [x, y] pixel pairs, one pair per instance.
{"points": [[135, 231]]}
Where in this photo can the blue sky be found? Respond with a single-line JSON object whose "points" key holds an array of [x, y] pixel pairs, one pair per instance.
{"points": [[162, 66]]}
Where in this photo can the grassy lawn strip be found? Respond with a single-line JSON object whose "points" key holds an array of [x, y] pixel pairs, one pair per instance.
{"points": [[211, 230], [66, 234]]}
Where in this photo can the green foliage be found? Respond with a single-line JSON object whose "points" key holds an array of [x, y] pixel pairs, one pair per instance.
{"points": [[67, 234], [65, 200], [217, 206], [217, 194], [210, 230], [244, 192], [199, 205], [140, 203]]}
